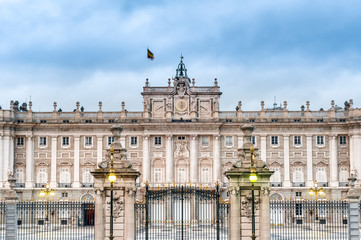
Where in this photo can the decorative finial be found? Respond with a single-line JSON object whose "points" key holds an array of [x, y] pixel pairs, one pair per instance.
{"points": [[77, 106], [308, 106], [100, 106], [332, 104], [30, 105], [181, 70], [54, 105], [193, 82], [168, 82], [215, 82], [123, 106], [262, 105], [351, 102], [284, 104], [146, 82]]}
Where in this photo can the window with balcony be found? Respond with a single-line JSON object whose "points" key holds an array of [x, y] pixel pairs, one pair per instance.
{"points": [[87, 178], [274, 140], [344, 175], [297, 140], [65, 178], [320, 141], [88, 141], [65, 141], [158, 175], [229, 141], [42, 141], [321, 175], [133, 141], [205, 175], [298, 175], [42, 176], [157, 141]]}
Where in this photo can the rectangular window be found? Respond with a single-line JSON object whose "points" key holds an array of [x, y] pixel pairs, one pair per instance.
{"points": [[42, 176], [276, 176], [298, 175], [343, 140], [88, 121], [298, 209], [297, 140], [65, 141], [229, 141], [87, 177], [251, 120], [298, 194], [42, 141], [205, 141], [157, 141], [205, 178], [158, 175], [297, 120], [319, 120], [65, 121], [111, 121], [320, 140], [181, 138], [65, 176], [20, 141], [253, 140], [42, 121], [274, 140], [20, 121], [110, 140], [88, 141], [133, 141], [274, 120], [182, 175]]}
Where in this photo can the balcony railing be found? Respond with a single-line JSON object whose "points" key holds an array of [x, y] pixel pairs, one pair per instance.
{"points": [[298, 184], [19, 185], [40, 185], [64, 185], [276, 184], [343, 184], [88, 185]]}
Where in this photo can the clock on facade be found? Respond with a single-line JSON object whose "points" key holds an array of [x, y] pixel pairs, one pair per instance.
{"points": [[181, 105]]}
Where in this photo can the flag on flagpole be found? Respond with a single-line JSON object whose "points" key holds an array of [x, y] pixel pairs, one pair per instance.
{"points": [[150, 55]]}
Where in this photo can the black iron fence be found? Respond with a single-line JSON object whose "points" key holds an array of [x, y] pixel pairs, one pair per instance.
{"points": [[2, 219], [301, 219], [182, 212], [55, 220]]}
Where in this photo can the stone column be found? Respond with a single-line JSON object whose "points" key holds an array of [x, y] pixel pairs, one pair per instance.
{"points": [[99, 149], [309, 182], [264, 148], [11, 215], [169, 159], [216, 158], [6, 147], [235, 227], [286, 160], [76, 182], [194, 159], [1, 162], [353, 217], [146, 159], [29, 183], [54, 145], [352, 160], [12, 153], [333, 161], [357, 154]]}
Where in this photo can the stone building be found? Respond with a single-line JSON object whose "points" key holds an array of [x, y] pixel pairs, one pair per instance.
{"points": [[181, 136]]}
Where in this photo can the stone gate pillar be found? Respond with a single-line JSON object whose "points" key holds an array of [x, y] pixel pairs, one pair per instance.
{"points": [[241, 194], [124, 190]]}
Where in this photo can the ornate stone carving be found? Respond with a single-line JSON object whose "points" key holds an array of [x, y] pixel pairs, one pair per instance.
{"points": [[130, 191], [118, 205], [246, 204], [265, 190], [234, 191], [181, 150]]}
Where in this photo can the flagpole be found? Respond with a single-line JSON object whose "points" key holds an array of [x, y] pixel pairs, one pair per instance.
{"points": [[146, 64]]}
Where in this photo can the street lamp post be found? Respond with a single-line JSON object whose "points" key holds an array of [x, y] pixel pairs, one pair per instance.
{"points": [[253, 179], [316, 191], [111, 178], [46, 192]]}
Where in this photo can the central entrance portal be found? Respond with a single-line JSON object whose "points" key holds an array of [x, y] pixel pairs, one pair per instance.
{"points": [[182, 212]]}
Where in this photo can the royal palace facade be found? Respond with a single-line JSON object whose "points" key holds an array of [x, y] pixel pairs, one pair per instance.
{"points": [[181, 136]]}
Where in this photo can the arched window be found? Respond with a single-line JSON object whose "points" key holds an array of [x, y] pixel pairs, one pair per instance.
{"points": [[42, 175], [344, 175], [276, 177], [298, 175], [158, 171], [321, 174], [65, 175], [20, 175]]}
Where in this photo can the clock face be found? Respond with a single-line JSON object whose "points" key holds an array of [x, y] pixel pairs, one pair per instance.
{"points": [[181, 105]]}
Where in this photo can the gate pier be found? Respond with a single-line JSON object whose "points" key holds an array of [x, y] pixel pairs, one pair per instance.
{"points": [[124, 190], [241, 193]]}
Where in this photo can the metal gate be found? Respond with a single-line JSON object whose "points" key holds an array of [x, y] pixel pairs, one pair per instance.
{"points": [[182, 212]]}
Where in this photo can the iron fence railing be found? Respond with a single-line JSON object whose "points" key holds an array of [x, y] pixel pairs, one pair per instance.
{"points": [[2, 219], [182, 212], [55, 220], [306, 219]]}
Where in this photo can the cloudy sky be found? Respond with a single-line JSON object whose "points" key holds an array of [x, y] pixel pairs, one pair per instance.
{"points": [[95, 50]]}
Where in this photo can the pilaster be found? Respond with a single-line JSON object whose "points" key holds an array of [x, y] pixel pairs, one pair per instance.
{"points": [[286, 160], [216, 158], [54, 143], [99, 149], [333, 161], [264, 148], [194, 158], [309, 182], [169, 159], [146, 159], [29, 162], [76, 182], [1, 161]]}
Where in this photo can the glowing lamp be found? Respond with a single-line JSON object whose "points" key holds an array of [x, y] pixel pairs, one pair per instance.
{"points": [[52, 193], [42, 194], [112, 177], [311, 192], [253, 178]]}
